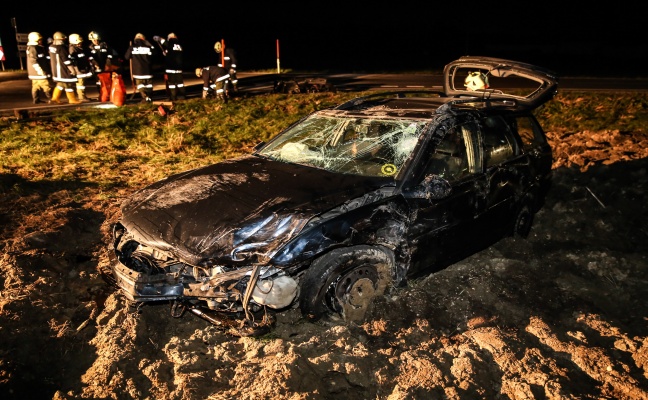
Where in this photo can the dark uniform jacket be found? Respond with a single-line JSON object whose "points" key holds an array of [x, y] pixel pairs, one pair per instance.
{"points": [[172, 56], [84, 63], [106, 57], [229, 57], [38, 62], [213, 74], [141, 52], [61, 62]]}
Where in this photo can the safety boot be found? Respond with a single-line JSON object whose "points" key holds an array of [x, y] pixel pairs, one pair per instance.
{"points": [[56, 95], [81, 95], [72, 99]]}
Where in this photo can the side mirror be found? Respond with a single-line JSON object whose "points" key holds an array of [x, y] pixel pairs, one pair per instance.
{"points": [[433, 187]]}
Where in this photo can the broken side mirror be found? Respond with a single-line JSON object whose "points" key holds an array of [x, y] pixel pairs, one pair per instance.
{"points": [[433, 187]]}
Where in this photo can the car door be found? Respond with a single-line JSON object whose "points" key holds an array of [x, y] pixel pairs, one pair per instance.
{"points": [[507, 173], [442, 230]]}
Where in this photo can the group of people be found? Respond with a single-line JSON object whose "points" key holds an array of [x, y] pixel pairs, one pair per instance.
{"points": [[67, 65], [64, 67]]}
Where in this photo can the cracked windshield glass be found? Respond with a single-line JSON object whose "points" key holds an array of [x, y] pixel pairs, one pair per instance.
{"points": [[359, 146]]}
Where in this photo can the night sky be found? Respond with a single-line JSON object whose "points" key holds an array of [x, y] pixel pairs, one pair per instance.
{"points": [[349, 37]]}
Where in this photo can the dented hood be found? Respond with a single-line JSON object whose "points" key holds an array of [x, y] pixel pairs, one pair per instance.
{"points": [[241, 210]]}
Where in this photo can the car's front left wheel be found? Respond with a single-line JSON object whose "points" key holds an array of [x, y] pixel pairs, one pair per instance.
{"points": [[345, 282]]}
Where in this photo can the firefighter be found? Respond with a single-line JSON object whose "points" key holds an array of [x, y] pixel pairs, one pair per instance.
{"points": [[227, 60], [108, 61], [140, 53], [63, 72], [172, 50], [84, 64], [214, 80], [38, 68]]}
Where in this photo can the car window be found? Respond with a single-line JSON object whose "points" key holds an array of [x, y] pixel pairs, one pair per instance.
{"points": [[499, 142], [456, 156], [529, 131]]}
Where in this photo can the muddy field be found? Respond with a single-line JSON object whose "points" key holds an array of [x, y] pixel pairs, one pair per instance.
{"points": [[561, 315]]}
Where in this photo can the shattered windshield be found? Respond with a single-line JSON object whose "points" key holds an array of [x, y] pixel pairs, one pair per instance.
{"points": [[349, 145]]}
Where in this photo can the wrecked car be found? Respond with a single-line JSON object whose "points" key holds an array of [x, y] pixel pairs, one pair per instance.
{"points": [[346, 203]]}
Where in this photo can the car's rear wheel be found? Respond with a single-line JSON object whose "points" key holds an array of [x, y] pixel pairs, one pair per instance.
{"points": [[523, 222], [345, 282]]}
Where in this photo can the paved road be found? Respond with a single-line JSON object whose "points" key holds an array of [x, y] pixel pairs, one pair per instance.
{"points": [[15, 88]]}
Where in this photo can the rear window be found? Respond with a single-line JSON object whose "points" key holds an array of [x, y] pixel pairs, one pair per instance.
{"points": [[530, 132]]}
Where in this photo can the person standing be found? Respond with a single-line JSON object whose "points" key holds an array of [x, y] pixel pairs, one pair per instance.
{"points": [[38, 68], [141, 54], [84, 64], [172, 50], [107, 60], [63, 72], [214, 80], [227, 60]]}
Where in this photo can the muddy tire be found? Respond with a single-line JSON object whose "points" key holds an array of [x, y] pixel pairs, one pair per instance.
{"points": [[345, 282], [523, 222]]}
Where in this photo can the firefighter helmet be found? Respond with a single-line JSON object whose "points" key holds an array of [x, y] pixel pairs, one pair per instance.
{"points": [[75, 38], [476, 81], [172, 36], [199, 72], [93, 36], [34, 37], [59, 36], [140, 36], [218, 46]]}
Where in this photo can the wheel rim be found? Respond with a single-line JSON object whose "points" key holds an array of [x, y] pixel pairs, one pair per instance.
{"points": [[355, 291]]}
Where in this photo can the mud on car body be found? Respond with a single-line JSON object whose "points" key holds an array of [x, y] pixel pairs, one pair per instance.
{"points": [[345, 203]]}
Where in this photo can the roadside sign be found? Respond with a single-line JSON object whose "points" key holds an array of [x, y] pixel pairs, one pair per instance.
{"points": [[22, 37], [22, 47]]}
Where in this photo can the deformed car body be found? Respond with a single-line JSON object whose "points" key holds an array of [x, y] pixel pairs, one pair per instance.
{"points": [[347, 202]]}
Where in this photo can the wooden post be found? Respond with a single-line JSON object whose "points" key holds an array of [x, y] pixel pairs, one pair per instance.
{"points": [[223, 53], [278, 63]]}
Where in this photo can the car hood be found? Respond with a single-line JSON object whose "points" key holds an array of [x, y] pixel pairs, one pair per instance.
{"points": [[241, 210]]}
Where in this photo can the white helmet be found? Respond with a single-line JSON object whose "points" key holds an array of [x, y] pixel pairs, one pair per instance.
{"points": [[75, 38], [34, 37], [476, 81], [171, 36], [140, 36], [199, 72], [218, 47], [59, 36], [93, 36]]}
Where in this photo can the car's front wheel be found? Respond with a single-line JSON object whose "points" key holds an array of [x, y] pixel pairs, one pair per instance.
{"points": [[345, 281]]}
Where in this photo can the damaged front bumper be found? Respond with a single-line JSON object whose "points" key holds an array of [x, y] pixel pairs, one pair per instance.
{"points": [[145, 274]]}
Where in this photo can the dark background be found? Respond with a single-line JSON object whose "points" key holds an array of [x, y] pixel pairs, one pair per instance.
{"points": [[336, 36]]}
